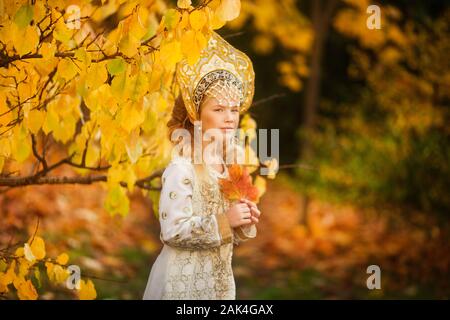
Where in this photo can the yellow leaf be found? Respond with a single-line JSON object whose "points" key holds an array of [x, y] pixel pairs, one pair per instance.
{"points": [[131, 117], [272, 167], [92, 155], [24, 267], [34, 120], [27, 40], [260, 184], [37, 275], [138, 86], [117, 201], [83, 58], [229, 9], [51, 121], [114, 175], [151, 27], [97, 75], [171, 19], [60, 274], [26, 290], [37, 247], [192, 43], [129, 45], [65, 129], [130, 178], [47, 50], [63, 258], [154, 78], [184, 23], [3, 286], [20, 144], [248, 122], [93, 100], [50, 273], [48, 61], [62, 32], [116, 66], [56, 273], [24, 15], [28, 253], [118, 85], [8, 277], [197, 19], [215, 21], [137, 29], [40, 12], [134, 148], [67, 69], [6, 115], [201, 40], [87, 290], [189, 46], [184, 4], [20, 252], [171, 54]]}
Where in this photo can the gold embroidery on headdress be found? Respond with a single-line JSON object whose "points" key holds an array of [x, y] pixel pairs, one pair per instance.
{"points": [[219, 61]]}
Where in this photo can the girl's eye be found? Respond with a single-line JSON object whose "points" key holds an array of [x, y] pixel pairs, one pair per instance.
{"points": [[218, 110], [235, 110]]}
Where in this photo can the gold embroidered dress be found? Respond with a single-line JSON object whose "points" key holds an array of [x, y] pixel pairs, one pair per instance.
{"points": [[195, 261]]}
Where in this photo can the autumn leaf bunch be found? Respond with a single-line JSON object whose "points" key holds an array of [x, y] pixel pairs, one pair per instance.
{"points": [[239, 184]]}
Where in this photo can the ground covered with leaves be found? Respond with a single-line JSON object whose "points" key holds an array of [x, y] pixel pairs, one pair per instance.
{"points": [[325, 256]]}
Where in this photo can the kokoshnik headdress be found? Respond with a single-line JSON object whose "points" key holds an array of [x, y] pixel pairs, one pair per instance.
{"points": [[222, 71]]}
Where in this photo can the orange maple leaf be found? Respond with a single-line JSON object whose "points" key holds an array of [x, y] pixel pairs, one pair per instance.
{"points": [[239, 184]]}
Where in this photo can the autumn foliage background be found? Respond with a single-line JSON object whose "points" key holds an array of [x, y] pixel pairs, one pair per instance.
{"points": [[363, 116]]}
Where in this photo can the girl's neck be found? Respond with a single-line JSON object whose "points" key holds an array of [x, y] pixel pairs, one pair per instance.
{"points": [[213, 157]]}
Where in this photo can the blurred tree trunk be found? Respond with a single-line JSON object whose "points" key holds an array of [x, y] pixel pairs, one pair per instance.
{"points": [[321, 14]]}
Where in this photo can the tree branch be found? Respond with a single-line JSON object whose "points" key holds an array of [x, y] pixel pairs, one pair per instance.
{"points": [[36, 154], [272, 97], [40, 180]]}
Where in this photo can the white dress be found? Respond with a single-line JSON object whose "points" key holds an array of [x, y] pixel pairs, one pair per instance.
{"points": [[195, 261]]}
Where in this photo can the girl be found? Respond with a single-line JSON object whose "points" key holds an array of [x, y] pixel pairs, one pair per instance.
{"points": [[198, 224]]}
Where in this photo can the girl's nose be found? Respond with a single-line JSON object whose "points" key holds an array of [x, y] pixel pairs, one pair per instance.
{"points": [[229, 115]]}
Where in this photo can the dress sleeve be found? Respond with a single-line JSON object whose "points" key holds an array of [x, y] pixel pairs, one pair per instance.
{"points": [[243, 233], [180, 227]]}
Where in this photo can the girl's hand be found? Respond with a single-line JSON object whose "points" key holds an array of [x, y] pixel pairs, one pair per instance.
{"points": [[253, 210], [239, 214]]}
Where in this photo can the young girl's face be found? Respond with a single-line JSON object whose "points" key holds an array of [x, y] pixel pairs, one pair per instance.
{"points": [[215, 116]]}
